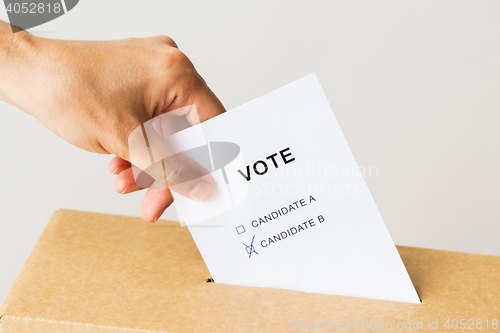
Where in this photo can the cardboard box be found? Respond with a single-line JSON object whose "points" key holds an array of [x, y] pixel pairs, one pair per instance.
{"points": [[104, 273]]}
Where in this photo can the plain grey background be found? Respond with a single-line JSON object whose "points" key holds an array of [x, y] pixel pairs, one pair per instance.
{"points": [[415, 87]]}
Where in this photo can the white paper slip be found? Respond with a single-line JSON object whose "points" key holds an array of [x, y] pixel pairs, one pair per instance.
{"points": [[291, 208]]}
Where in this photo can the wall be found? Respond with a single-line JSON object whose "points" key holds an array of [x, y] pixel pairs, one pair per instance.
{"points": [[414, 85]]}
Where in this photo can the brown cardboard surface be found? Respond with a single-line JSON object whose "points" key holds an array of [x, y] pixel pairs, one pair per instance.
{"points": [[105, 273]]}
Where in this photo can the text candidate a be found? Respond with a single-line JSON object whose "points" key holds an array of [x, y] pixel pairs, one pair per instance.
{"points": [[294, 211]]}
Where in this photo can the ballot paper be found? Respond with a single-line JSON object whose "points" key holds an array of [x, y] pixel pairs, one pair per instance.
{"points": [[291, 208]]}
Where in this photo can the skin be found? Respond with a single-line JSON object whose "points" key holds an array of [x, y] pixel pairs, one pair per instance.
{"points": [[94, 94]]}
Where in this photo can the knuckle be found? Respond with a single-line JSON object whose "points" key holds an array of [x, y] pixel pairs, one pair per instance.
{"points": [[178, 57], [163, 39], [174, 58], [130, 40]]}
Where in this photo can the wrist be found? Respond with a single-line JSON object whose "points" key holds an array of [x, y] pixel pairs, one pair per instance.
{"points": [[17, 53]]}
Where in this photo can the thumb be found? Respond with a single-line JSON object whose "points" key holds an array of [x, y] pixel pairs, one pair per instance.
{"points": [[188, 175], [206, 104]]}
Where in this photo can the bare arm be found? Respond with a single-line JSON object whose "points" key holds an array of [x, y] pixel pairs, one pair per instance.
{"points": [[94, 93]]}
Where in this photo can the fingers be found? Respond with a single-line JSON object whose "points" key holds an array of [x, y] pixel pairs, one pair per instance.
{"points": [[188, 178], [185, 176], [125, 182], [155, 201], [154, 204], [117, 165], [182, 174], [148, 151]]}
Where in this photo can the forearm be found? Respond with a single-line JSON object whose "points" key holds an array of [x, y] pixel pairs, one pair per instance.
{"points": [[16, 50]]}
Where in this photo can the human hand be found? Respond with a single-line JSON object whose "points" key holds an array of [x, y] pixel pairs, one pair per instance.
{"points": [[95, 93]]}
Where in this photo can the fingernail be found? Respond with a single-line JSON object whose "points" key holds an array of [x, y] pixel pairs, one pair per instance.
{"points": [[202, 192], [114, 172], [125, 190]]}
